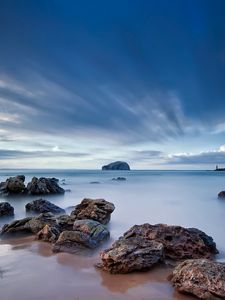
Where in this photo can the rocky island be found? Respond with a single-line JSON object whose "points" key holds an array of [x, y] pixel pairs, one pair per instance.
{"points": [[117, 165]]}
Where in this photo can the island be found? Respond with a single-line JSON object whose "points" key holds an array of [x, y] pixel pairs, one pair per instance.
{"points": [[117, 165], [219, 169]]}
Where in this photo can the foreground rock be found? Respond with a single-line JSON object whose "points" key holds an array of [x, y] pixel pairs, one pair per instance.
{"points": [[6, 209], [221, 195], [29, 225], [179, 243], [85, 234], [201, 277], [96, 209], [49, 233], [43, 206], [13, 185], [43, 186], [133, 254], [117, 165]]}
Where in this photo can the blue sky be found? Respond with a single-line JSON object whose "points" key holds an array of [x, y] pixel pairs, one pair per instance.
{"points": [[83, 83]]}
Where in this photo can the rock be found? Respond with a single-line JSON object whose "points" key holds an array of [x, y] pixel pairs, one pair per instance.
{"points": [[43, 206], [13, 185], [117, 165], [132, 254], [6, 209], [221, 195], [200, 277], [49, 233], [96, 209], [120, 179], [43, 186], [29, 225], [179, 243], [94, 182], [85, 234]]}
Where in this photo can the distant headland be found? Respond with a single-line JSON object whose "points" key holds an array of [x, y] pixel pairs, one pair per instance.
{"points": [[219, 169], [117, 165]]}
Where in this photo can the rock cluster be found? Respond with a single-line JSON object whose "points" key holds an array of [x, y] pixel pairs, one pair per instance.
{"points": [[43, 206], [117, 165], [37, 186], [82, 229], [200, 277], [6, 209]]}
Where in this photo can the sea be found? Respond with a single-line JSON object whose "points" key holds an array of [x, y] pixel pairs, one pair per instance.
{"points": [[30, 271]]}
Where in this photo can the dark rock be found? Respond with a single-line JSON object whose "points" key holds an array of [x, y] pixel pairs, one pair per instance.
{"points": [[43, 206], [85, 234], [49, 233], [221, 195], [179, 243], [96, 209], [29, 225], [120, 179], [132, 254], [117, 165], [94, 182], [200, 277], [43, 186], [6, 209], [13, 185]]}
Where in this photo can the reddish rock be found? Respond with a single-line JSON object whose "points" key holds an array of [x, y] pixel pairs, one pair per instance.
{"points": [[200, 277]]}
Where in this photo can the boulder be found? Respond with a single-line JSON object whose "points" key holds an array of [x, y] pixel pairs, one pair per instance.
{"points": [[117, 165], [6, 209], [85, 234], [96, 209], [132, 254], [221, 195], [43, 186], [29, 225], [201, 277], [13, 185], [179, 243], [43, 206]]}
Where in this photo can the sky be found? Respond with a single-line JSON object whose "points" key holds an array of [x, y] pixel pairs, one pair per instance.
{"points": [[85, 83]]}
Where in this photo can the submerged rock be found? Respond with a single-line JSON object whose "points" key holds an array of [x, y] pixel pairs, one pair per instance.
{"points": [[179, 243], [96, 209], [120, 179], [200, 277], [29, 225], [132, 254], [221, 195], [43, 186], [85, 234], [43, 206], [117, 165], [6, 209], [13, 185]]}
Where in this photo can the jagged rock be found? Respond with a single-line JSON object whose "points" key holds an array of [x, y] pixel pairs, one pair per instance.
{"points": [[6, 209], [43, 186], [117, 165], [49, 233], [132, 254], [29, 225], [13, 185], [96, 209], [221, 195], [119, 179], [85, 234], [42, 206], [179, 243], [201, 277], [65, 222]]}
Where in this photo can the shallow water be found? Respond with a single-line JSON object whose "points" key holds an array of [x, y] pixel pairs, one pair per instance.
{"points": [[29, 270]]}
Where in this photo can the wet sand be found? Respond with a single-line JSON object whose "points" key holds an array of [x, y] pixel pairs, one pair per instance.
{"points": [[35, 273]]}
